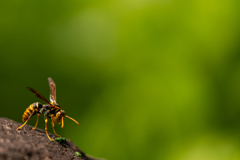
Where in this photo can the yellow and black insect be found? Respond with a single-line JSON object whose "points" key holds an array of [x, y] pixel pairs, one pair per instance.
{"points": [[52, 109]]}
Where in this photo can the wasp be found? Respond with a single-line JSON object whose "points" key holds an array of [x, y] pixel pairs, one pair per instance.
{"points": [[51, 110]]}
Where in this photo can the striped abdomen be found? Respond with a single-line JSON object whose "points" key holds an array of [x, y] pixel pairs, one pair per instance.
{"points": [[33, 107]]}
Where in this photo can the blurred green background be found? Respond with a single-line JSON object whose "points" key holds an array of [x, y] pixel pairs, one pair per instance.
{"points": [[146, 79]]}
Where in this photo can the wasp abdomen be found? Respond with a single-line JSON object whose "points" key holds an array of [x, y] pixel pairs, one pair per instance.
{"points": [[33, 107]]}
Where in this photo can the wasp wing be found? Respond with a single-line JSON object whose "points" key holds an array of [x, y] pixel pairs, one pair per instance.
{"points": [[52, 87], [41, 97]]}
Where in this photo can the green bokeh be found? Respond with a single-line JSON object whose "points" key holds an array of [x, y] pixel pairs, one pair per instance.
{"points": [[145, 79]]}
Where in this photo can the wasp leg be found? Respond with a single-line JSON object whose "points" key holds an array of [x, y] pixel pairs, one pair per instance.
{"points": [[52, 116], [22, 125], [45, 117], [26, 120], [40, 112], [62, 123], [37, 121]]}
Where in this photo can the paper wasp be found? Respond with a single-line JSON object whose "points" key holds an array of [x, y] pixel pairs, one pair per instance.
{"points": [[52, 109]]}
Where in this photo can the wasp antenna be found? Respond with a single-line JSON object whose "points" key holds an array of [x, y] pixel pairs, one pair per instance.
{"points": [[62, 122], [72, 119]]}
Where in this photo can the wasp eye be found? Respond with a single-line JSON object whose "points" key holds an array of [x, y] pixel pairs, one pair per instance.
{"points": [[63, 113]]}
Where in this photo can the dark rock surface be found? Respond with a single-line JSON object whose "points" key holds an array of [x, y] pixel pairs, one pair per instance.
{"points": [[28, 144]]}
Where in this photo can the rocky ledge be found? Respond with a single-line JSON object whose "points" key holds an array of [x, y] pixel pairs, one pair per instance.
{"points": [[28, 144]]}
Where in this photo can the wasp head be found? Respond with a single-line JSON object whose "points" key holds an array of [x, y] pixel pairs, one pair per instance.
{"points": [[61, 114]]}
